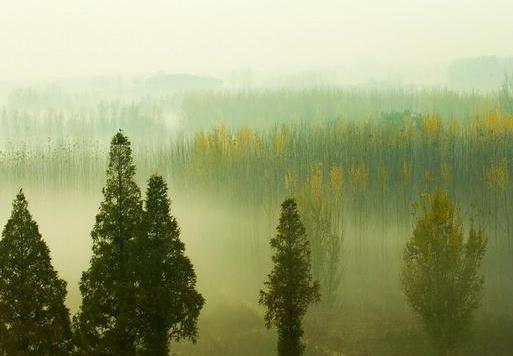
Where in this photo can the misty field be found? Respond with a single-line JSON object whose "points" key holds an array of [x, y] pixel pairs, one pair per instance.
{"points": [[356, 161]]}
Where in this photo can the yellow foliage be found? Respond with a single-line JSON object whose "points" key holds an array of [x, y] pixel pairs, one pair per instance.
{"points": [[359, 175], [497, 124], [336, 179], [222, 138], [245, 142], [454, 127], [200, 143], [245, 137], [432, 126], [497, 174], [507, 122], [493, 123], [280, 143]]}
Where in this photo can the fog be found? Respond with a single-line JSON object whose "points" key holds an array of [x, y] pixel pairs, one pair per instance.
{"points": [[62, 38], [355, 108]]}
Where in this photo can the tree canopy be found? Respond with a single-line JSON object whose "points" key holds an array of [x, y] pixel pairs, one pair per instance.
{"points": [[168, 304], [440, 274], [33, 317], [289, 288], [106, 322]]}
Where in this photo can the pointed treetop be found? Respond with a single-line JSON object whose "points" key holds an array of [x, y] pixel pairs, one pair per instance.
{"points": [[20, 202], [156, 181], [120, 139], [157, 187], [289, 203]]}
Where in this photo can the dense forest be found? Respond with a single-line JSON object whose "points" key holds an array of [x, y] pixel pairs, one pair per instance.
{"points": [[364, 167]]}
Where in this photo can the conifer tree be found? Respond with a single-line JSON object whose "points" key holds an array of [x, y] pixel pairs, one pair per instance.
{"points": [[106, 321], [289, 287], [33, 317], [168, 304], [440, 275]]}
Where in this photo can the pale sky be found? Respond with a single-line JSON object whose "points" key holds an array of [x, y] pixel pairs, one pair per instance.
{"points": [[61, 38]]}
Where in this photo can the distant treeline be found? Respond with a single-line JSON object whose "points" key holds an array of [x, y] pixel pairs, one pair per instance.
{"points": [[26, 117]]}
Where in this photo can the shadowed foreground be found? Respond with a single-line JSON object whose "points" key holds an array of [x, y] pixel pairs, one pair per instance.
{"points": [[236, 329]]}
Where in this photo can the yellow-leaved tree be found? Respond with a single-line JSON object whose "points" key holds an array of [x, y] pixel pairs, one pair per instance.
{"points": [[440, 275]]}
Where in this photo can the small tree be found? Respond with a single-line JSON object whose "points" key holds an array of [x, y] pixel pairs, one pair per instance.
{"points": [[320, 208], [106, 321], [168, 304], [289, 287], [440, 275], [33, 317]]}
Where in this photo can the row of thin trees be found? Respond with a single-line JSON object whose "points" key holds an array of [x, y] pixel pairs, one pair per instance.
{"points": [[355, 183], [353, 179]]}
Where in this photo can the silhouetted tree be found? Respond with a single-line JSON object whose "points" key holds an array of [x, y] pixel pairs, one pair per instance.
{"points": [[33, 317], [440, 275], [106, 322], [289, 287], [168, 304]]}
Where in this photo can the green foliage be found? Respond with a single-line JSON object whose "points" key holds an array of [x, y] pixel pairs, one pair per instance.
{"points": [[506, 94], [106, 322], [168, 304], [321, 207], [267, 108], [33, 317], [440, 275], [78, 118], [386, 144], [289, 287]]}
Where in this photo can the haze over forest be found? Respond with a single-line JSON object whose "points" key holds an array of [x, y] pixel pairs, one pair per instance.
{"points": [[381, 119]]}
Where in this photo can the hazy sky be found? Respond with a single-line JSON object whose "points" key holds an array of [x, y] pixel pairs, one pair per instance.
{"points": [[58, 38]]}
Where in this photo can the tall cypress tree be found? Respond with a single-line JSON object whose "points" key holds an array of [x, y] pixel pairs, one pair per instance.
{"points": [[106, 321], [33, 317], [168, 304], [290, 288]]}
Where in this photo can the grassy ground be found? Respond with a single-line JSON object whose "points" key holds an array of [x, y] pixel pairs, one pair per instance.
{"points": [[239, 330]]}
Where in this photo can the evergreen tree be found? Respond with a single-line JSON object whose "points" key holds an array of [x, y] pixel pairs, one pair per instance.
{"points": [[106, 321], [168, 304], [33, 317], [289, 288], [440, 275]]}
